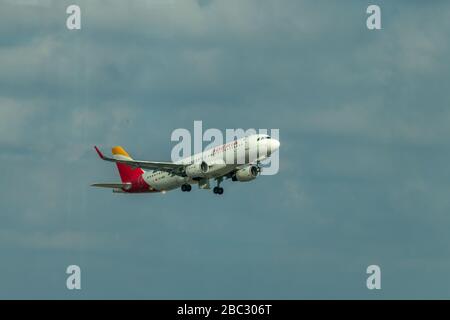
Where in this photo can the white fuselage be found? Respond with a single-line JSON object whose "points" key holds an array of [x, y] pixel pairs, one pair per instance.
{"points": [[221, 160]]}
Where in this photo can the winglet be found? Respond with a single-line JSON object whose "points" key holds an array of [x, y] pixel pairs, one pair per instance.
{"points": [[100, 154]]}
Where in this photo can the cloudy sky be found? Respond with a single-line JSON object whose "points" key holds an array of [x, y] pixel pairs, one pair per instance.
{"points": [[364, 119]]}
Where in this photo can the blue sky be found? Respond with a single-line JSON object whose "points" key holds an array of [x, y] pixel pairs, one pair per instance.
{"points": [[364, 129]]}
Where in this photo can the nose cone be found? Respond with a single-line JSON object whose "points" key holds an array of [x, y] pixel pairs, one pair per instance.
{"points": [[275, 144]]}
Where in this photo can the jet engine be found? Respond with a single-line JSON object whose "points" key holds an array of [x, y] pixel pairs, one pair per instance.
{"points": [[197, 170], [246, 174]]}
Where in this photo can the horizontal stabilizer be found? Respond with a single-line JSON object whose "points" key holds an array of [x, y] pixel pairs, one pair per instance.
{"points": [[125, 186]]}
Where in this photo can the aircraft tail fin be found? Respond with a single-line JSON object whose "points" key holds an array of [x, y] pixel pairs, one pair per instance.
{"points": [[127, 173]]}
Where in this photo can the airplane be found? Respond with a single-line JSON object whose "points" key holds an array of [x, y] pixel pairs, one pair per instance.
{"points": [[152, 176]]}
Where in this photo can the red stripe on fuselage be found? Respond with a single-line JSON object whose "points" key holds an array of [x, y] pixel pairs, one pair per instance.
{"points": [[134, 176], [140, 185]]}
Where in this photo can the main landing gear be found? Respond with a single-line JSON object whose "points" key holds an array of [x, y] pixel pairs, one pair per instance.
{"points": [[218, 189], [186, 187]]}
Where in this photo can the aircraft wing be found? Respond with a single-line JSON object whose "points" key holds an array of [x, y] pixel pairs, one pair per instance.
{"points": [[170, 167]]}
